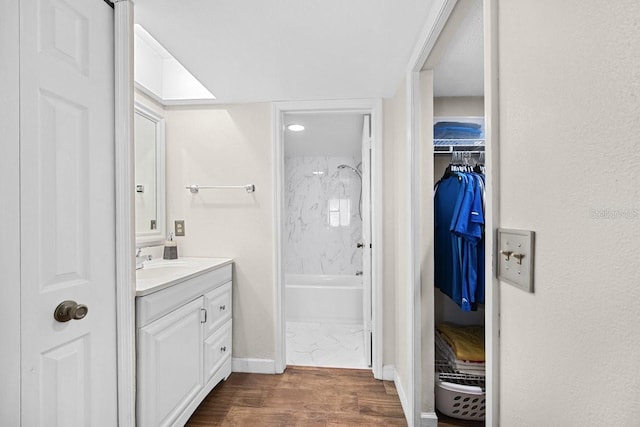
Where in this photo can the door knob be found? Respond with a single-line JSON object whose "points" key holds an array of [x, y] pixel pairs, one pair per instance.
{"points": [[68, 310]]}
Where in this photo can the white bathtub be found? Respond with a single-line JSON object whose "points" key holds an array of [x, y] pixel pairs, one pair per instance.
{"points": [[312, 298]]}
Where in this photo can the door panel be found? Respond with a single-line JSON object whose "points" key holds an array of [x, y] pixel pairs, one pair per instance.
{"points": [[62, 369], [63, 228], [67, 211]]}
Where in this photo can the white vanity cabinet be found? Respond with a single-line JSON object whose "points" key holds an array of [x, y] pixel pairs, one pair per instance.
{"points": [[184, 345]]}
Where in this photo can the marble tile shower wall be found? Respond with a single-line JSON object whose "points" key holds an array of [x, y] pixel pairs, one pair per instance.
{"points": [[323, 225]]}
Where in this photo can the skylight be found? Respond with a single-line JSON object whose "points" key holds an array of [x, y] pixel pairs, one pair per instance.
{"points": [[160, 75]]}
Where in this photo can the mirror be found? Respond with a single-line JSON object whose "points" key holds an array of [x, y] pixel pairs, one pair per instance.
{"points": [[149, 176]]}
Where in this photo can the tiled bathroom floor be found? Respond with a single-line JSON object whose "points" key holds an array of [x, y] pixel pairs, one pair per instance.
{"points": [[325, 344]]}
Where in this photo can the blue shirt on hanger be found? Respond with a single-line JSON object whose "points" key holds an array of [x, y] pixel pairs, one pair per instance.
{"points": [[448, 260]]}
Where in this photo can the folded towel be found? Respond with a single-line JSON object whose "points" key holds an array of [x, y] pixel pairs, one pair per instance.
{"points": [[445, 353], [457, 124], [467, 342], [456, 130]]}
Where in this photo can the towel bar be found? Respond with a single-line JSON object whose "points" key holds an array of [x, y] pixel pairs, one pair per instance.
{"points": [[249, 188]]}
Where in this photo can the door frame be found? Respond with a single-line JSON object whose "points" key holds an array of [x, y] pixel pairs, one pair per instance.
{"points": [[423, 307], [125, 215], [364, 106]]}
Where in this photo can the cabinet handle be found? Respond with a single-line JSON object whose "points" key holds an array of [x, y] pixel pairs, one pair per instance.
{"points": [[223, 307], [223, 349]]}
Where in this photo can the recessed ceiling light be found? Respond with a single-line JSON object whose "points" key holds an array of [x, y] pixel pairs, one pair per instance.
{"points": [[295, 128]]}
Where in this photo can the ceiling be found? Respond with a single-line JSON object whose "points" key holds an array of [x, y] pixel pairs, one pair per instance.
{"points": [[458, 66], [273, 50]]}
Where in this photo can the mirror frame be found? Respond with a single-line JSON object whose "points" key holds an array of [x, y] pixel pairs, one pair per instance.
{"points": [[159, 235]]}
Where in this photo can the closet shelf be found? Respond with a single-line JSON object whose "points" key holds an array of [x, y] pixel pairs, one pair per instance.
{"points": [[451, 145], [445, 372]]}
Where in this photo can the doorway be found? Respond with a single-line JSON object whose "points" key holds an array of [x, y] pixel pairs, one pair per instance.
{"points": [[430, 97], [327, 278], [327, 224]]}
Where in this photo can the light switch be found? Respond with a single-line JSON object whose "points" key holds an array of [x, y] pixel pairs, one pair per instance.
{"points": [[515, 258]]}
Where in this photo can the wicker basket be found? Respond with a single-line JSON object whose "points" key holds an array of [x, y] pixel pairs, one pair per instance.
{"points": [[465, 402]]}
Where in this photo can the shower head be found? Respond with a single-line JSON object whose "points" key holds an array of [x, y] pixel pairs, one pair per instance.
{"points": [[352, 168]]}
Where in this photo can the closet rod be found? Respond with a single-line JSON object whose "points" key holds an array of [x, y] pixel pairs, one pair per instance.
{"points": [[249, 188]]}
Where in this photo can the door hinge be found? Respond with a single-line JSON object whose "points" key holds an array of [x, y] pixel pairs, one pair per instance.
{"points": [[203, 315]]}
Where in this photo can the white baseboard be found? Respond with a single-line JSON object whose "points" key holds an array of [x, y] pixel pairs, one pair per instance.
{"points": [[388, 372], [253, 366], [428, 419], [402, 395]]}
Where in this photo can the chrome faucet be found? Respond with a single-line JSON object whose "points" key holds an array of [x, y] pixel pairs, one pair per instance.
{"points": [[140, 259]]}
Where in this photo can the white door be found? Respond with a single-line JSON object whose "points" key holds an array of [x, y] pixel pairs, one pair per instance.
{"points": [[366, 235], [67, 201]]}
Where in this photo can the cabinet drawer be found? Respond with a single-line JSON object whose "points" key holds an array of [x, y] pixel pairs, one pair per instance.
{"points": [[217, 348], [218, 305], [153, 306]]}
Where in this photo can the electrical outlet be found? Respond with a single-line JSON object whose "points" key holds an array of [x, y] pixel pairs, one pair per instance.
{"points": [[179, 227]]}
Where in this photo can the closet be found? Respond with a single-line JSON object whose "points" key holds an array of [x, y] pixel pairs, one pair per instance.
{"points": [[459, 258]]}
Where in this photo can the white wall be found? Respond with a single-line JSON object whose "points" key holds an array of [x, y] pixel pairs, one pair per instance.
{"points": [[458, 106], [396, 202], [569, 138], [228, 145]]}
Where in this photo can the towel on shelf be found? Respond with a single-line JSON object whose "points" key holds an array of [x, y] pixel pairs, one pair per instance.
{"points": [[445, 353], [456, 130], [467, 342]]}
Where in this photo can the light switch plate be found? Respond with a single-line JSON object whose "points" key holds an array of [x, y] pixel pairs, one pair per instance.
{"points": [[515, 258]]}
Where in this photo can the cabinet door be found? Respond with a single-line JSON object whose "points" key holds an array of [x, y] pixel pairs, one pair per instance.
{"points": [[217, 349], [218, 305], [170, 365]]}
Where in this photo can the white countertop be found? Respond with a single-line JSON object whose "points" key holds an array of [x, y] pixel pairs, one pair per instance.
{"points": [[162, 273]]}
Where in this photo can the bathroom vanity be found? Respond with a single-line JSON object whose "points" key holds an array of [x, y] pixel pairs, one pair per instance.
{"points": [[183, 325]]}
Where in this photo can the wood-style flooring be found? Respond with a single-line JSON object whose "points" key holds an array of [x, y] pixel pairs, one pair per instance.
{"points": [[305, 396], [302, 396]]}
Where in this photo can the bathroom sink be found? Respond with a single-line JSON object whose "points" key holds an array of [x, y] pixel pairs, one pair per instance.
{"points": [[165, 268], [156, 271], [169, 265], [160, 273]]}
